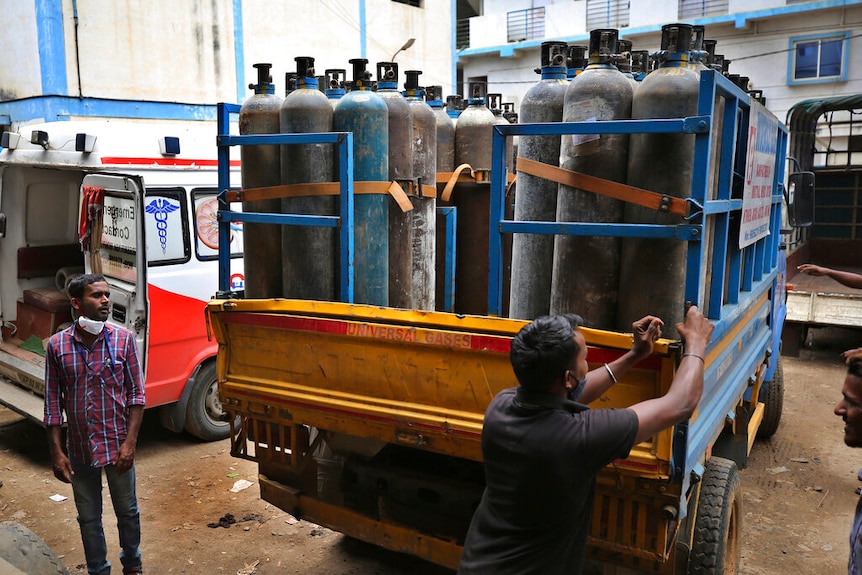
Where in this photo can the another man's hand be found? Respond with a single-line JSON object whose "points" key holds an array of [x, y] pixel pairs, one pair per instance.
{"points": [[62, 467], [126, 458], [850, 353], [813, 270], [645, 332], [695, 331]]}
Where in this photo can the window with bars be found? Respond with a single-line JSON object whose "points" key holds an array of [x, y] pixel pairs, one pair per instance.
{"points": [[818, 59], [522, 25], [607, 14], [699, 8]]}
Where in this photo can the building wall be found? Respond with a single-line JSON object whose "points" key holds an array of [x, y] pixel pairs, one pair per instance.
{"points": [[758, 42], [146, 58]]}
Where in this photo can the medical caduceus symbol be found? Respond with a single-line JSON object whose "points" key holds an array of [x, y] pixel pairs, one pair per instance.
{"points": [[160, 208]]}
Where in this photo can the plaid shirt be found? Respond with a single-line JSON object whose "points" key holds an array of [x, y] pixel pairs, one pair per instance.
{"points": [[94, 387]]}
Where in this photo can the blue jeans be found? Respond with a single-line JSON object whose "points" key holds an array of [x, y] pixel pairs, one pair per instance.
{"points": [[87, 489]]}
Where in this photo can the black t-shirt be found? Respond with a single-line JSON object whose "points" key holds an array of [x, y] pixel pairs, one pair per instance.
{"points": [[541, 456]]}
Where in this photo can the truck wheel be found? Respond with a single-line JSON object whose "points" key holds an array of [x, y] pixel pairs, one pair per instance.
{"points": [[204, 413], [715, 549], [772, 396], [25, 551]]}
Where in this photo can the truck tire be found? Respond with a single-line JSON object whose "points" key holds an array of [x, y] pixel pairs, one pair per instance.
{"points": [[25, 551], [716, 549], [772, 396], [204, 412]]}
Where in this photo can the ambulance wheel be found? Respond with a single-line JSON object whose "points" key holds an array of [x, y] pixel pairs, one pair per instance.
{"points": [[25, 551], [772, 396], [205, 417], [716, 547]]}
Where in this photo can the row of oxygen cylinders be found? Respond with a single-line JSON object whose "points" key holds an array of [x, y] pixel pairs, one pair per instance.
{"points": [[404, 138], [401, 139]]}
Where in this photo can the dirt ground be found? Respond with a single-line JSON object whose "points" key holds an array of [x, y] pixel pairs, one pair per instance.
{"points": [[798, 493]]}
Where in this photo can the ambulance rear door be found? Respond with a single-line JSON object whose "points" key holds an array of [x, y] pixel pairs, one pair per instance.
{"points": [[113, 235]]}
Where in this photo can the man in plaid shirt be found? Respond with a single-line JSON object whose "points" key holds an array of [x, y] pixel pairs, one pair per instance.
{"points": [[92, 373]]}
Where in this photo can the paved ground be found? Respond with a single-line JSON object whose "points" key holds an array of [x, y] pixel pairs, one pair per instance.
{"points": [[798, 496]]}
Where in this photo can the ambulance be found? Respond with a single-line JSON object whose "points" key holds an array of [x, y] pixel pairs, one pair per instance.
{"points": [[137, 202]]}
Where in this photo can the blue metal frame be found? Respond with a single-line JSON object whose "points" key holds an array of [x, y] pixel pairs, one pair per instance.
{"points": [[344, 222], [450, 219], [746, 285]]}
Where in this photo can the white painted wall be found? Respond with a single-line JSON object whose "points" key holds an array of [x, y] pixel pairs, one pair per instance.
{"points": [[148, 50], [652, 12], [19, 65]]}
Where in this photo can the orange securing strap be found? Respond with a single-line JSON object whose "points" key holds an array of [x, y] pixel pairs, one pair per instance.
{"points": [[393, 189], [624, 192]]}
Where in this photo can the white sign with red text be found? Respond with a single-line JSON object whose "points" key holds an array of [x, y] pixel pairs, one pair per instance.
{"points": [[759, 175]]}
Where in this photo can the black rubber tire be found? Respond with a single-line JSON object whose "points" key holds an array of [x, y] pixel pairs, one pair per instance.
{"points": [[204, 413], [716, 546], [772, 396], [26, 551]]}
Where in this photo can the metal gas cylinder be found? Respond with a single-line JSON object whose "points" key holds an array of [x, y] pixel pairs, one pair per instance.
{"points": [[454, 106], [473, 140], [445, 165], [652, 271], [585, 275], [536, 198], [640, 64], [401, 170], [260, 168], [623, 61], [696, 53], [364, 113], [445, 129], [425, 174], [576, 60], [309, 255], [334, 84]]}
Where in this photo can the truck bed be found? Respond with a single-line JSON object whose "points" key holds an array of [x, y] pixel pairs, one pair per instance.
{"points": [[820, 300]]}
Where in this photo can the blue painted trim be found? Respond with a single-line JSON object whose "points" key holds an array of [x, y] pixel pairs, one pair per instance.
{"points": [[739, 19], [791, 59], [51, 108], [363, 32], [239, 50], [52, 49]]}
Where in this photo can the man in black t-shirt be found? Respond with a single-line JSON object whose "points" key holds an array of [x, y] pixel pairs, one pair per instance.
{"points": [[542, 446]]}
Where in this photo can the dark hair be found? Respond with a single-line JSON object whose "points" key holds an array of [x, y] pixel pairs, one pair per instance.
{"points": [[854, 365], [544, 349], [77, 285]]}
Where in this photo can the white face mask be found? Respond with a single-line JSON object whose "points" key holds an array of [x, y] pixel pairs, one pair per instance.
{"points": [[90, 325]]}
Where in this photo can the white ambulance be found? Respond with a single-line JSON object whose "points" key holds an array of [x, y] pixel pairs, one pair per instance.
{"points": [[135, 201]]}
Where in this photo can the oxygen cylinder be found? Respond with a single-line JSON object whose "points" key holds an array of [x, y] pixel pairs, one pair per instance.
{"points": [[309, 256], [454, 106], [696, 54], [445, 129], [640, 64], [334, 84], [652, 274], [425, 211], [709, 52], [364, 113], [585, 274], [536, 198], [473, 138], [260, 168], [495, 104], [400, 169], [290, 79], [445, 164], [576, 60], [623, 61]]}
